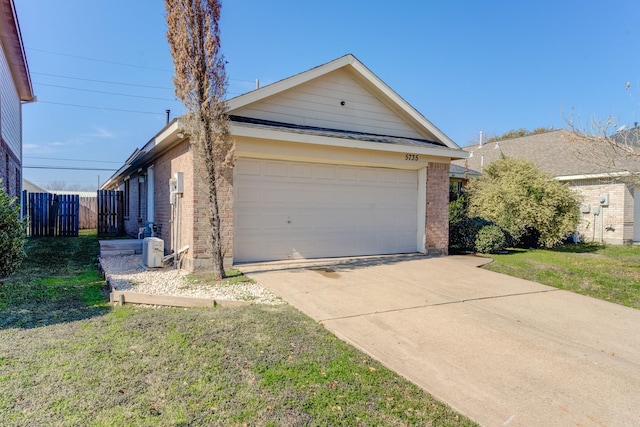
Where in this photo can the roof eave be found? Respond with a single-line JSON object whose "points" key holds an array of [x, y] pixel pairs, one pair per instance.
{"points": [[605, 175], [11, 39], [248, 132], [162, 141]]}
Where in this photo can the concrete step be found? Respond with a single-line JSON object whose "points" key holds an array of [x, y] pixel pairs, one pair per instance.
{"points": [[121, 245], [114, 253]]}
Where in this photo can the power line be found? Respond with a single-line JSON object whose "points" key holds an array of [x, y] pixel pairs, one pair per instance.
{"points": [[66, 168], [107, 93], [99, 60], [99, 108], [71, 160], [100, 81]]}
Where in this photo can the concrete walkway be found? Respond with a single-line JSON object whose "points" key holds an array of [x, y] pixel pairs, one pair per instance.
{"points": [[501, 350]]}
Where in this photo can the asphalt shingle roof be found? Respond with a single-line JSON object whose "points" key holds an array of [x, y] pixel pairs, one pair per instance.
{"points": [[332, 133], [559, 153]]}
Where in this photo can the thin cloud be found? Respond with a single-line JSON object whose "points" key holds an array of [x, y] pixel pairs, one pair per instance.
{"points": [[100, 132]]}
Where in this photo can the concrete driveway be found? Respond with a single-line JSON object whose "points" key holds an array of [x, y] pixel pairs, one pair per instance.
{"points": [[500, 350]]}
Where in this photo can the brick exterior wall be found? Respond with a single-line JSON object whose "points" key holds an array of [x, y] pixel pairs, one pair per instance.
{"points": [[618, 215], [437, 212], [10, 171], [178, 159], [201, 226]]}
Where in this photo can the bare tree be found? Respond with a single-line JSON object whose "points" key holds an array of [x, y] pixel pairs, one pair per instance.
{"points": [[606, 145], [200, 82], [63, 186]]}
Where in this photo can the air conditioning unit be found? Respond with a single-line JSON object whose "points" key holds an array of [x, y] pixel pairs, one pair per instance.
{"points": [[152, 252]]}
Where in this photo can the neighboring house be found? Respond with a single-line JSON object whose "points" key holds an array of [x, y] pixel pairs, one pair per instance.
{"points": [[330, 162], [589, 168], [459, 176], [15, 88], [31, 187]]}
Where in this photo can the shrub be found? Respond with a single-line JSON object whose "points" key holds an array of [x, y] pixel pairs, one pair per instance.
{"points": [[524, 202], [12, 235], [462, 234], [490, 240]]}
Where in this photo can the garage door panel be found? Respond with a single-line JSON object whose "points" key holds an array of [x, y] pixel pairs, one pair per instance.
{"points": [[300, 210], [248, 167]]}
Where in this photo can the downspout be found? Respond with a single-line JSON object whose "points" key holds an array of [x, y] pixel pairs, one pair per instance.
{"points": [[150, 198]]}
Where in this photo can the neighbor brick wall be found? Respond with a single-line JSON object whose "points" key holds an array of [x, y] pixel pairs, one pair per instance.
{"points": [[9, 171], [177, 159], [437, 212], [619, 214]]}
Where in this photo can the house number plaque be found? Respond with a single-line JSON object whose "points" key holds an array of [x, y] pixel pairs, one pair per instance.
{"points": [[411, 157]]}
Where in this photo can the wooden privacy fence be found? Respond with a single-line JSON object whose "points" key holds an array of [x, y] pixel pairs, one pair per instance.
{"points": [[88, 213], [110, 213], [52, 214]]}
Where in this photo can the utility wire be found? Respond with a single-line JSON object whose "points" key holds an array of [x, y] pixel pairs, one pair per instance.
{"points": [[100, 60], [71, 160], [100, 108], [66, 168], [100, 81], [104, 92]]}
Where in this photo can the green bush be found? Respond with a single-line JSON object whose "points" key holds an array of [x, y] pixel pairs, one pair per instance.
{"points": [[529, 205], [12, 235], [490, 240], [462, 234]]}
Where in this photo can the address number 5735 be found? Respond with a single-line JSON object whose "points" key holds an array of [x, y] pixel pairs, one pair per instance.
{"points": [[411, 157]]}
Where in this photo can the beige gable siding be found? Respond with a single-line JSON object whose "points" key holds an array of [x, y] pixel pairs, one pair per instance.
{"points": [[9, 109], [318, 103]]}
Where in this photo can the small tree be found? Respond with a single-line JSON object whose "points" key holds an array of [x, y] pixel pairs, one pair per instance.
{"points": [[200, 82], [517, 197], [12, 235]]}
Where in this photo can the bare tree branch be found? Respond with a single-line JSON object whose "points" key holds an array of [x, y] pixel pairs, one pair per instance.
{"points": [[200, 82]]}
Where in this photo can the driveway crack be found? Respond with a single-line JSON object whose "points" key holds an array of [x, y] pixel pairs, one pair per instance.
{"points": [[397, 310]]}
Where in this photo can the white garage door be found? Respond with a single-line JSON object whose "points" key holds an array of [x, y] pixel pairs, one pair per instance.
{"points": [[289, 210]]}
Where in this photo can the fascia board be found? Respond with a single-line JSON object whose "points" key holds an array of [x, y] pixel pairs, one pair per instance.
{"points": [[162, 141], [593, 176], [242, 131], [404, 106], [14, 50]]}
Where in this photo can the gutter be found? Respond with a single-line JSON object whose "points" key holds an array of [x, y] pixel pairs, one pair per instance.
{"points": [[168, 136]]}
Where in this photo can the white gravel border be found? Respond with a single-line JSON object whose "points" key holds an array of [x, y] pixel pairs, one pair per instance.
{"points": [[127, 273]]}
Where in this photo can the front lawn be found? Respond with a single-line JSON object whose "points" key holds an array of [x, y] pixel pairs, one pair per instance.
{"points": [[608, 272], [67, 358]]}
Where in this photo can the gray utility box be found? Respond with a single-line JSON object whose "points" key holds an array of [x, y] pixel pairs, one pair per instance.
{"points": [[152, 252]]}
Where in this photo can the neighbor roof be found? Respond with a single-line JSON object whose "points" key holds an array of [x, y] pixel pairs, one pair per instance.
{"points": [[11, 41], [560, 153]]}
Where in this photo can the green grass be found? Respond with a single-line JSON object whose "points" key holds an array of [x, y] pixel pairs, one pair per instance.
{"points": [[608, 272], [234, 277], [67, 358]]}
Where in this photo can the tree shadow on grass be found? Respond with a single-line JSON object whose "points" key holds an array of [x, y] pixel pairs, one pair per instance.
{"points": [[58, 282], [578, 248]]}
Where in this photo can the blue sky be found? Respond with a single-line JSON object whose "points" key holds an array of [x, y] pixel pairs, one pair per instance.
{"points": [[468, 66]]}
